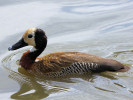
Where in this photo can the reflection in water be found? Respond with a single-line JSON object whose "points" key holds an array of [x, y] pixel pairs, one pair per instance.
{"points": [[38, 87], [104, 89], [31, 87], [100, 27]]}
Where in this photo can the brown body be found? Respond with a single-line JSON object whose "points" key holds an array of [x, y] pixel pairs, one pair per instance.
{"points": [[53, 64], [60, 63]]}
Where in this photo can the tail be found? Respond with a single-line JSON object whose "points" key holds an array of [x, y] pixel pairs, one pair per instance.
{"points": [[115, 66], [125, 69], [111, 65]]}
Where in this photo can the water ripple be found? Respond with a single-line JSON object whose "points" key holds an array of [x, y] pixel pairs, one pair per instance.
{"points": [[95, 8]]}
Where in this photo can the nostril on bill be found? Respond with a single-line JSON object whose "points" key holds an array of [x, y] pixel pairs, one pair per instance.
{"points": [[10, 48]]}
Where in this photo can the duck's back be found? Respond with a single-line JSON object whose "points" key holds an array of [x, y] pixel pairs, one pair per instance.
{"points": [[62, 63]]}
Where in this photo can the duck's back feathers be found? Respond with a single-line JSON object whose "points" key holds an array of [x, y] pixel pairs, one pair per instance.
{"points": [[74, 62]]}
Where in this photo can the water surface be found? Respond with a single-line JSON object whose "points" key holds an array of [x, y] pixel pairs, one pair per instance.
{"points": [[100, 27]]}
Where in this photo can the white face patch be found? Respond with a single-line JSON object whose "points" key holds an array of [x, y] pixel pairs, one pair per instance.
{"points": [[29, 36], [33, 49]]}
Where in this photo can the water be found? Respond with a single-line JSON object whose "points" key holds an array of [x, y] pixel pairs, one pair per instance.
{"points": [[100, 27]]}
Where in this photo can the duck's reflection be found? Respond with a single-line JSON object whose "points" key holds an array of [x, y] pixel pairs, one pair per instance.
{"points": [[31, 87], [37, 87]]}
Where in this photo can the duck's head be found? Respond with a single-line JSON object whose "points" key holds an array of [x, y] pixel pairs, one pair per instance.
{"points": [[34, 37]]}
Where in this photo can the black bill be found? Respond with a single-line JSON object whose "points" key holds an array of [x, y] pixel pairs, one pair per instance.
{"points": [[18, 45]]}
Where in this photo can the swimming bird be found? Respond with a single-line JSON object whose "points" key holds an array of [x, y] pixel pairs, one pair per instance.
{"points": [[60, 63]]}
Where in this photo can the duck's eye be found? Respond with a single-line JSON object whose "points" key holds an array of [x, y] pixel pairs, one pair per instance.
{"points": [[30, 36]]}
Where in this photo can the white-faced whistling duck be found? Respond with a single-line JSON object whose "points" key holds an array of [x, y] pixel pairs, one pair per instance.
{"points": [[60, 63]]}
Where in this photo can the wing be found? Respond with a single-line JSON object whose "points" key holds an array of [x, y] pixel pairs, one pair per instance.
{"points": [[75, 62]]}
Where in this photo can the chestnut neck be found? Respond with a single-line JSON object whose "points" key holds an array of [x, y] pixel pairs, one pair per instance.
{"points": [[29, 57]]}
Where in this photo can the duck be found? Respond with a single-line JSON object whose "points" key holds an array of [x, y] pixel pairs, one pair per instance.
{"points": [[60, 63]]}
